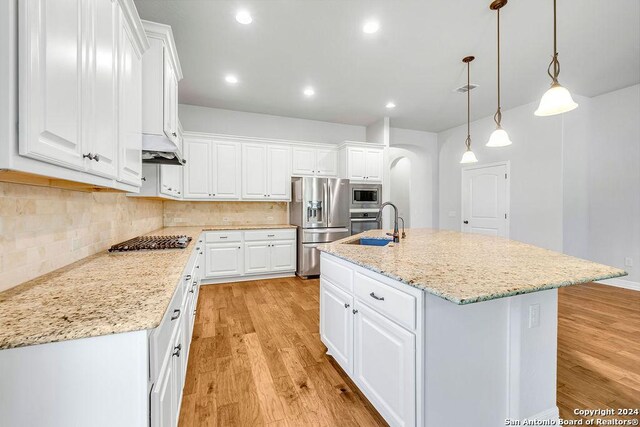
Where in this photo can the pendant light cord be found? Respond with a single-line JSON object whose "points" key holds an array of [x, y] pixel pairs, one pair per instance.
{"points": [[498, 116], [554, 62], [468, 140]]}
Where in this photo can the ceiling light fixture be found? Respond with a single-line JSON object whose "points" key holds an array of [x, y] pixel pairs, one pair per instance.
{"points": [[499, 137], [308, 91], [244, 17], [557, 99], [390, 105], [371, 27], [468, 156], [231, 79]]}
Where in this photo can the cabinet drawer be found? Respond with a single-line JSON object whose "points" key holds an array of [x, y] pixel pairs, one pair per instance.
{"points": [[337, 274], [161, 336], [283, 234], [391, 302], [223, 236]]}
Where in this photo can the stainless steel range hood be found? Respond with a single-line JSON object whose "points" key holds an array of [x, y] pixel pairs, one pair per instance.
{"points": [[159, 149]]}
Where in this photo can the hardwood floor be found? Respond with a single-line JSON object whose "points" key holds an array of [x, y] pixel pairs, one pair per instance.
{"points": [[257, 359], [598, 349]]}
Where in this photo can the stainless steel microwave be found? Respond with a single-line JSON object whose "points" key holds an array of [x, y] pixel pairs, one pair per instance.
{"points": [[366, 196]]}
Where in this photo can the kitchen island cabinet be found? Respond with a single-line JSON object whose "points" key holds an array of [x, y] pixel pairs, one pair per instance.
{"points": [[446, 328]]}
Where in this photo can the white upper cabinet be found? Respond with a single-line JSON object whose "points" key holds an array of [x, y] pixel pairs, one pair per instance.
{"points": [[254, 171], [53, 68], [313, 161], [171, 180], [278, 172], [212, 170], [76, 86], [161, 73], [130, 111], [360, 163]]}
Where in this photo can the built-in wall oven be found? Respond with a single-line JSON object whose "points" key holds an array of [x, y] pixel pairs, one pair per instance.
{"points": [[365, 203]]}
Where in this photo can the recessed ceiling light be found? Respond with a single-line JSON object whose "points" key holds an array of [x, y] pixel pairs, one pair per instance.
{"points": [[231, 79], [244, 17], [371, 27], [308, 91], [390, 105]]}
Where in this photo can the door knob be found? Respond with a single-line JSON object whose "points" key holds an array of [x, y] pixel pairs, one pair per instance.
{"points": [[466, 222]]}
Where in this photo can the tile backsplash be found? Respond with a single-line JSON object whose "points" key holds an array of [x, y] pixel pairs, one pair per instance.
{"points": [[224, 213], [42, 228]]}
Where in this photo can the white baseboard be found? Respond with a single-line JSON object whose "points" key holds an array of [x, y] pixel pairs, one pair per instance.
{"points": [[621, 283], [548, 414], [247, 278]]}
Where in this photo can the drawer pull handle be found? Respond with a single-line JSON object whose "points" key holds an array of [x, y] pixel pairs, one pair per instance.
{"points": [[347, 305], [187, 278], [177, 350], [271, 235], [223, 237], [176, 314], [374, 296]]}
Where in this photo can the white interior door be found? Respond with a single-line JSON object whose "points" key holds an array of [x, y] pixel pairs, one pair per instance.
{"points": [[485, 200]]}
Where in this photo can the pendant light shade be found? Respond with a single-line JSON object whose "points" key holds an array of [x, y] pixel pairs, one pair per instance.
{"points": [[468, 156], [499, 137], [557, 99]]}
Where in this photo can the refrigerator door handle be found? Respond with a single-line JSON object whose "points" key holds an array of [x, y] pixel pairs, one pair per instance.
{"points": [[326, 202]]}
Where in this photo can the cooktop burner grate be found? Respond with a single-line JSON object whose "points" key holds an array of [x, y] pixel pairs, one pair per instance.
{"points": [[151, 243]]}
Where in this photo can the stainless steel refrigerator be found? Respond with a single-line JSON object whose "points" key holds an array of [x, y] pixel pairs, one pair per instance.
{"points": [[320, 209]]}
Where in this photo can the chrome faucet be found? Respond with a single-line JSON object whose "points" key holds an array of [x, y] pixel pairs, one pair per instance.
{"points": [[404, 235], [396, 233]]}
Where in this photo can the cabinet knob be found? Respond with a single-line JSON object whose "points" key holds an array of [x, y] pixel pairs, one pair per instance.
{"points": [[177, 350], [174, 134], [214, 194], [143, 179], [354, 311], [466, 222], [239, 247], [347, 305], [88, 156], [187, 278], [96, 158], [176, 314]]}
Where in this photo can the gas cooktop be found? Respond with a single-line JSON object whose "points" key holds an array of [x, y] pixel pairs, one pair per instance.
{"points": [[141, 243]]}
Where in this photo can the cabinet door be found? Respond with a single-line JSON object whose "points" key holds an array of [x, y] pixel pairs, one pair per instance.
{"points": [[336, 324], [254, 171], [303, 161], [52, 66], [374, 160], [177, 357], [356, 163], [279, 177], [223, 259], [170, 182], [170, 101], [197, 182], [283, 255], [384, 365], [129, 109], [163, 398], [327, 162], [100, 133], [256, 257], [225, 173]]}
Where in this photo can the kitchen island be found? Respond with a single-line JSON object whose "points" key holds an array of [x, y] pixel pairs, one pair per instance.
{"points": [[446, 328]]}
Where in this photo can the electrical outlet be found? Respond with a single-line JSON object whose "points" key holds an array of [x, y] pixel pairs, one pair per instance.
{"points": [[269, 218], [225, 219], [628, 262], [534, 315]]}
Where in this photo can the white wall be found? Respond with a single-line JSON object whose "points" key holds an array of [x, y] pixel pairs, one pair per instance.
{"points": [[614, 180], [421, 149], [536, 173], [400, 190], [228, 122]]}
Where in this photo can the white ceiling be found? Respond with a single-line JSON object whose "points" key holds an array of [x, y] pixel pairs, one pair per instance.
{"points": [[414, 60]]}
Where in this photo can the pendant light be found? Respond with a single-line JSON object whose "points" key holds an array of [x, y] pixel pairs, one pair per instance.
{"points": [[499, 137], [468, 156], [557, 99]]}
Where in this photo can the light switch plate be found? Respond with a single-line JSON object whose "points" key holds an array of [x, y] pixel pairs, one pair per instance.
{"points": [[534, 315], [628, 262]]}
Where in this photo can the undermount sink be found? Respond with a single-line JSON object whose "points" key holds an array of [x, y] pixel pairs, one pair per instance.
{"points": [[371, 242]]}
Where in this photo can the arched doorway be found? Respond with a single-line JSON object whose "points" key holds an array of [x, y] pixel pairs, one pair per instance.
{"points": [[400, 188]]}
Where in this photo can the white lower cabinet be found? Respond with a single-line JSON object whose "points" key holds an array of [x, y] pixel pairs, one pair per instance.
{"points": [[233, 254], [162, 398], [384, 365], [223, 259], [336, 324], [377, 350]]}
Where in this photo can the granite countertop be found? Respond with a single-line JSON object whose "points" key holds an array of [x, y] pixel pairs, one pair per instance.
{"points": [[465, 268], [246, 227], [106, 293]]}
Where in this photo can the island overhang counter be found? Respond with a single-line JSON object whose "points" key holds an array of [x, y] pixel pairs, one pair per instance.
{"points": [[448, 328]]}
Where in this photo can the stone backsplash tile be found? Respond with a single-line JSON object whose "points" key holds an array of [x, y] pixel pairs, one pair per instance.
{"points": [[224, 213]]}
